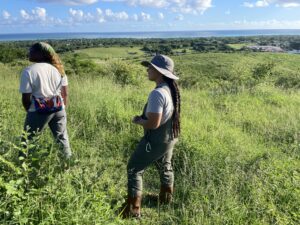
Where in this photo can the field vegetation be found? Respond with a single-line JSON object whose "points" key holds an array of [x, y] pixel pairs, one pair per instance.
{"points": [[237, 161]]}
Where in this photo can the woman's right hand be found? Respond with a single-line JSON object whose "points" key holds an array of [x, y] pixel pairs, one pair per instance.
{"points": [[136, 119]]}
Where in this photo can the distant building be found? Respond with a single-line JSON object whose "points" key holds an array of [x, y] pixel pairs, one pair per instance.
{"points": [[264, 48]]}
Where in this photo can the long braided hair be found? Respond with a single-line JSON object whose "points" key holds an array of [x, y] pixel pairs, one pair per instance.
{"points": [[43, 52], [177, 105]]}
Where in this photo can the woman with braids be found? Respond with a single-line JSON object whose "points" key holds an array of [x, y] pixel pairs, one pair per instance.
{"points": [[44, 95], [161, 123]]}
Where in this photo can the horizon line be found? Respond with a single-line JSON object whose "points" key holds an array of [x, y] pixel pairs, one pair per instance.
{"points": [[169, 31]]}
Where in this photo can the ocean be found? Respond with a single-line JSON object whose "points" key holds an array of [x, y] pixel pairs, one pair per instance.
{"points": [[140, 35]]}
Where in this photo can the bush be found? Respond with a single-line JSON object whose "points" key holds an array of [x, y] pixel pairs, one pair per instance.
{"points": [[290, 79], [79, 65], [9, 54], [124, 73], [262, 70]]}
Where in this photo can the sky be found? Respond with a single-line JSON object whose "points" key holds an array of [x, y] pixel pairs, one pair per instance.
{"points": [[52, 16]]}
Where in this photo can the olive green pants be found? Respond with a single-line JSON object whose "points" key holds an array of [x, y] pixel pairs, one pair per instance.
{"points": [[144, 155]]}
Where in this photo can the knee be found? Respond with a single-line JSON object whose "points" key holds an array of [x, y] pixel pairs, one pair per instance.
{"points": [[133, 171], [167, 167]]}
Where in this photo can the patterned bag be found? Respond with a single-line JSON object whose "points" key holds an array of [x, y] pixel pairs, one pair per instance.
{"points": [[48, 105]]}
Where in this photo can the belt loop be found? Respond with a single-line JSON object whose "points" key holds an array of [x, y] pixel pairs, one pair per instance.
{"points": [[148, 147]]}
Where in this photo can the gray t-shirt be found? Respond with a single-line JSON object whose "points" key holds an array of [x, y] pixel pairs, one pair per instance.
{"points": [[160, 101]]}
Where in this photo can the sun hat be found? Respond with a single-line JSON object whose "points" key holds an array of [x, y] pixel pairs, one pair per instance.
{"points": [[162, 64]]}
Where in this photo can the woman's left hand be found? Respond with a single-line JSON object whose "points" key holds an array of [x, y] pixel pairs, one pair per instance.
{"points": [[136, 119]]}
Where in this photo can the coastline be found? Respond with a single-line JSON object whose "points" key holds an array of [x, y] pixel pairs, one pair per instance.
{"points": [[148, 35]]}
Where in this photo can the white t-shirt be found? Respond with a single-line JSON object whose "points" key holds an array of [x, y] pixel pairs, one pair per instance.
{"points": [[42, 80], [160, 101]]}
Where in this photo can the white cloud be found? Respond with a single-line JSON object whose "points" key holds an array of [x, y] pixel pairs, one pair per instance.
{"points": [[145, 16], [37, 16], [115, 16], [289, 4], [191, 6], [179, 17], [161, 16], [141, 17], [76, 13], [77, 16], [228, 12], [39, 13], [248, 4], [278, 3], [270, 24], [135, 17], [149, 3], [257, 4], [183, 6], [5, 15], [25, 15], [261, 3], [70, 2], [101, 16]]}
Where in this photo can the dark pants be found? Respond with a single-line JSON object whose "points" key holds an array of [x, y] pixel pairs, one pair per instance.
{"points": [[36, 122]]}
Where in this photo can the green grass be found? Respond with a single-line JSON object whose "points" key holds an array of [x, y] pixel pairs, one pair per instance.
{"points": [[239, 46], [237, 161], [102, 53]]}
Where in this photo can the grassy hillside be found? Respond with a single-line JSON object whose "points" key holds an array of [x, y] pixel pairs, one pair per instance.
{"points": [[105, 53], [237, 161]]}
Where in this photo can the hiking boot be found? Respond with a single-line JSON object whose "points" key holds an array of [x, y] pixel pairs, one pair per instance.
{"points": [[132, 208], [166, 194]]}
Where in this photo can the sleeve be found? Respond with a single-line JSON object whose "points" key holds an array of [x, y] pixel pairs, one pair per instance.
{"points": [[25, 83], [155, 102], [64, 81]]}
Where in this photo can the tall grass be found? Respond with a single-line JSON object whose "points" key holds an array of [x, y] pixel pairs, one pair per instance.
{"points": [[237, 161]]}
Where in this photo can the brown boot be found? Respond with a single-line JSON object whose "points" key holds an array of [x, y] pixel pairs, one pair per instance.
{"points": [[166, 194], [132, 208]]}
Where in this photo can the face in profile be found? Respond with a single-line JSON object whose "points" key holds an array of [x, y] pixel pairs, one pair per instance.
{"points": [[153, 74]]}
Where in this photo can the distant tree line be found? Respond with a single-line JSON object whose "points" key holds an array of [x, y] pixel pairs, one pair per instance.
{"points": [[10, 51]]}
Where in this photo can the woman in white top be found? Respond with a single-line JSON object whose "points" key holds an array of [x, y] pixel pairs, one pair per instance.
{"points": [[161, 123], [45, 80]]}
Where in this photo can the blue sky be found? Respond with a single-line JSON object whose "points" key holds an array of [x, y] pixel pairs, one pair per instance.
{"points": [[39, 16]]}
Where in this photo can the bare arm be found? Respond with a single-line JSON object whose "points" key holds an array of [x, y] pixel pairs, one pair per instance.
{"points": [[64, 94], [152, 122], [26, 100]]}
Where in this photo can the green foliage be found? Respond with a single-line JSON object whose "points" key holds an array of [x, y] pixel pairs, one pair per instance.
{"points": [[262, 70], [124, 73], [295, 45], [288, 79], [158, 49], [76, 64], [121, 72], [211, 46], [104, 53], [236, 162], [9, 54]]}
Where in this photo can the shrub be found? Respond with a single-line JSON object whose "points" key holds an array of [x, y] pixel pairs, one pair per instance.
{"points": [[9, 54], [262, 70], [124, 73], [289, 79]]}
